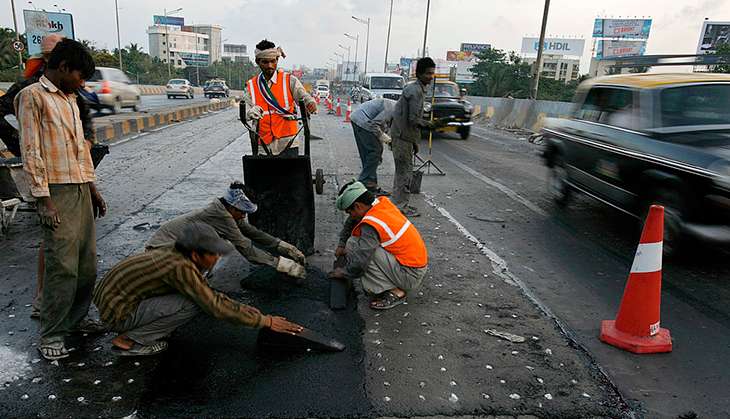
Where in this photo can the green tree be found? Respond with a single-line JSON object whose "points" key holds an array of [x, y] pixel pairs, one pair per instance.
{"points": [[9, 70], [723, 50], [501, 74]]}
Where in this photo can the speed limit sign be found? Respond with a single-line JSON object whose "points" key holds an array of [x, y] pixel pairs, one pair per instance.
{"points": [[18, 46]]}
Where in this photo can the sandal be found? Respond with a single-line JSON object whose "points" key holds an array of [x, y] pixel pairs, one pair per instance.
{"points": [[53, 351], [142, 350], [387, 301]]}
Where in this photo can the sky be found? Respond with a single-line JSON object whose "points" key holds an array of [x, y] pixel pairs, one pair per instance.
{"points": [[310, 30]]}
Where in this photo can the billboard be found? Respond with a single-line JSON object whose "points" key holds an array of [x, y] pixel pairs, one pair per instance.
{"points": [[609, 48], [38, 24], [555, 46], [459, 56], [474, 48], [712, 35], [622, 28], [169, 20]]}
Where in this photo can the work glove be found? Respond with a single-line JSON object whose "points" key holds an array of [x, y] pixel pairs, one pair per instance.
{"points": [[385, 138], [291, 268], [255, 112], [291, 251]]}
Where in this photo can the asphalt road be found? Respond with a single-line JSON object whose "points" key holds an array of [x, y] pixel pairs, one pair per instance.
{"points": [[501, 258]]}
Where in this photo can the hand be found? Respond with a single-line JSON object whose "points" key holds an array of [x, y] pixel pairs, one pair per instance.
{"points": [[255, 113], [291, 268], [340, 251], [291, 251], [385, 138], [338, 273], [282, 325], [97, 202], [311, 107], [48, 214], [415, 148]]}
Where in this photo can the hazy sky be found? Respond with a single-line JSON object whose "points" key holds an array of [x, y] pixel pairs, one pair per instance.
{"points": [[309, 30]]}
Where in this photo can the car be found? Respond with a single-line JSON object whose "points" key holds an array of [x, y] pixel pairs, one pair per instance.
{"points": [[179, 87], [113, 89], [643, 139], [216, 88], [448, 102], [381, 85], [322, 91]]}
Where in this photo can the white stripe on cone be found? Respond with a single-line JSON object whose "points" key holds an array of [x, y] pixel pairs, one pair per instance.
{"points": [[648, 258]]}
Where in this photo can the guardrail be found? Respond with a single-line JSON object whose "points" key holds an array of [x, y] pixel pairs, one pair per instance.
{"points": [[519, 113], [145, 89]]}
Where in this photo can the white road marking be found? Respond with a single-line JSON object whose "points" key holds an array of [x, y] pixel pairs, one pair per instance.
{"points": [[502, 188]]}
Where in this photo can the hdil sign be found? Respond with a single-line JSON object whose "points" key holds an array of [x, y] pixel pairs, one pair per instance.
{"points": [[559, 46], [554, 46]]}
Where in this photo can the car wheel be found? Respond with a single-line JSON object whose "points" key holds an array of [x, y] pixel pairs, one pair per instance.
{"points": [[675, 211], [464, 132], [117, 108], [558, 186]]}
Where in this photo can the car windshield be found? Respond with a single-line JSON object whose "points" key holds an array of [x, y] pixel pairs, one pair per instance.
{"points": [[707, 104], [176, 81], [386, 83], [96, 76], [322, 88], [216, 84], [445, 90]]}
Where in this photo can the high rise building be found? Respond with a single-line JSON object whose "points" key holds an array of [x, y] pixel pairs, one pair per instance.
{"points": [[235, 52], [185, 45]]}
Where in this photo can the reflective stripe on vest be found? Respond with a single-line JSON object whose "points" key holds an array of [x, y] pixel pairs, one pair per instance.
{"points": [[252, 92]]}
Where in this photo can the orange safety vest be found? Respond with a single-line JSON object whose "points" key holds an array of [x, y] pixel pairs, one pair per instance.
{"points": [[274, 125], [397, 235]]}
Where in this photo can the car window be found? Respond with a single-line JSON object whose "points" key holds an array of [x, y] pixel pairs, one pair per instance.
{"points": [[386, 83], [445, 90], [176, 81], [611, 106], [707, 104], [96, 76]]}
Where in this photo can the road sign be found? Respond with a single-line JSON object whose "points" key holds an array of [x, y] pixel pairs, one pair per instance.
{"points": [[18, 46], [38, 24]]}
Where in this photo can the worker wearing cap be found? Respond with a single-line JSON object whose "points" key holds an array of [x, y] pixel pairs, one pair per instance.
{"points": [[145, 297], [381, 247], [272, 97], [227, 216]]}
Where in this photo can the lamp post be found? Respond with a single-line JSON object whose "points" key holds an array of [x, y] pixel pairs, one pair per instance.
{"points": [[348, 57], [342, 58], [355, 38], [17, 34], [167, 38], [119, 39], [367, 38], [387, 42], [535, 82], [425, 31]]}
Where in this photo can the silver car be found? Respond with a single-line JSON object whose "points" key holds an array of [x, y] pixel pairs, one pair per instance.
{"points": [[179, 87], [114, 89]]}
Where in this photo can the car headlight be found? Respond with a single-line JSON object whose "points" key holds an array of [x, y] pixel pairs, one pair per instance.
{"points": [[427, 106]]}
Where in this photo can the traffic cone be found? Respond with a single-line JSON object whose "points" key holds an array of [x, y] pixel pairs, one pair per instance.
{"points": [[349, 110], [339, 107], [636, 328]]}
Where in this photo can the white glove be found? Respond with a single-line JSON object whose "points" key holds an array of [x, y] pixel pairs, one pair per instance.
{"points": [[385, 138], [291, 268], [255, 112], [290, 250]]}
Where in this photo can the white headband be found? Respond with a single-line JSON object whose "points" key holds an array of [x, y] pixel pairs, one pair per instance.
{"points": [[269, 54]]}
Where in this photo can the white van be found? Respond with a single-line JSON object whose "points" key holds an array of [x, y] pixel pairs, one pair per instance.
{"points": [[382, 85]]}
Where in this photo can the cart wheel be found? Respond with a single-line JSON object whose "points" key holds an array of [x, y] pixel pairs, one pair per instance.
{"points": [[319, 181]]}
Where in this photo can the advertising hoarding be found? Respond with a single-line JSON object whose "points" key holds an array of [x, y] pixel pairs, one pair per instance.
{"points": [[622, 28], [712, 35], [555, 46], [169, 20], [459, 56], [608, 48], [38, 24], [474, 48]]}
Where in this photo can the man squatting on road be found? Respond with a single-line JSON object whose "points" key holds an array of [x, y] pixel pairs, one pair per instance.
{"points": [[406, 132], [227, 216], [147, 296], [271, 98], [370, 124], [380, 246]]}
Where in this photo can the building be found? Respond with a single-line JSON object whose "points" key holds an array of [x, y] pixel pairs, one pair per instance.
{"points": [[235, 52], [558, 67], [191, 45]]}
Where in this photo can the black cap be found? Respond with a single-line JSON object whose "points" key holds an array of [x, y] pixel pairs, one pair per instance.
{"points": [[203, 238]]}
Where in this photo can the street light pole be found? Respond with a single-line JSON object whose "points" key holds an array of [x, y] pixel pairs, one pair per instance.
{"points": [[367, 39], [356, 38], [342, 70], [348, 57], [167, 40], [17, 34], [535, 82], [387, 42], [119, 39], [425, 31]]}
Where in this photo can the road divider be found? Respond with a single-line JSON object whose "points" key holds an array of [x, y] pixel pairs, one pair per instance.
{"points": [[110, 131], [518, 113]]}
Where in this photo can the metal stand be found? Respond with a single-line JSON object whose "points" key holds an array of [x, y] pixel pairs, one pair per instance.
{"points": [[428, 163]]}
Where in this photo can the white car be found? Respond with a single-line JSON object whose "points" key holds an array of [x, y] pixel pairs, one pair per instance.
{"points": [[114, 89], [323, 92], [179, 87]]}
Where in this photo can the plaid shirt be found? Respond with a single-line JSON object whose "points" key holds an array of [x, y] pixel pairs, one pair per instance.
{"points": [[52, 138], [162, 272]]}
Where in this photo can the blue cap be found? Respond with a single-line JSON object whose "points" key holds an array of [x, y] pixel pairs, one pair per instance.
{"points": [[237, 199]]}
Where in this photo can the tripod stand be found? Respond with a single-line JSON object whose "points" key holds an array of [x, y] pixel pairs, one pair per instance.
{"points": [[428, 163]]}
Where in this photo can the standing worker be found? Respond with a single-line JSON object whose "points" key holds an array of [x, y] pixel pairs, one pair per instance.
{"points": [[58, 163], [272, 96], [406, 132], [381, 247], [227, 216], [370, 123]]}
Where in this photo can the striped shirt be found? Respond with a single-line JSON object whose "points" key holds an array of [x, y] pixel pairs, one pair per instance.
{"points": [[52, 141], [162, 272]]}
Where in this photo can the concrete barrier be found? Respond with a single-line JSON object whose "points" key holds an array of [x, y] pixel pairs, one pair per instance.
{"points": [[518, 113]]}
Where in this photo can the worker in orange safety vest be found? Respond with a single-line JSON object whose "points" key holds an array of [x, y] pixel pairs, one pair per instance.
{"points": [[380, 246], [272, 97]]}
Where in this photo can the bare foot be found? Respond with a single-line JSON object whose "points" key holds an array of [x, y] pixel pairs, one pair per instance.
{"points": [[123, 342]]}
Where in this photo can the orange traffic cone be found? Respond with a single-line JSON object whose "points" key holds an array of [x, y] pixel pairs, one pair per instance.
{"points": [[636, 328], [339, 107], [349, 110]]}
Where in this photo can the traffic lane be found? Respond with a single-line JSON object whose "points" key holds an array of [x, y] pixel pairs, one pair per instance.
{"points": [[571, 270], [155, 102]]}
